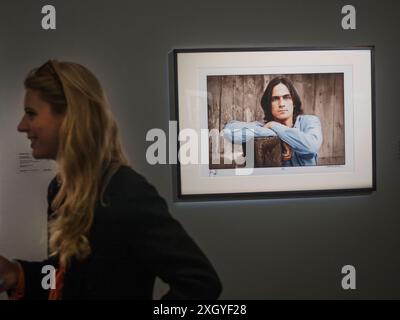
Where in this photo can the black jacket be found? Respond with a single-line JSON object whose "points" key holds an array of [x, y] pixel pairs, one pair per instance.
{"points": [[133, 240]]}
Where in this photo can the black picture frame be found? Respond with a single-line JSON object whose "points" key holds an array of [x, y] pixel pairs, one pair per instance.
{"points": [[180, 182]]}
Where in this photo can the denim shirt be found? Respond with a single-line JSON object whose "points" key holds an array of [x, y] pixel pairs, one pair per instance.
{"points": [[305, 137]]}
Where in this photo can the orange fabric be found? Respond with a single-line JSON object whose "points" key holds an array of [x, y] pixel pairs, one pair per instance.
{"points": [[19, 291], [56, 294]]}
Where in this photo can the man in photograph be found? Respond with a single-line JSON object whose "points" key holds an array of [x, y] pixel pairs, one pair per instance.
{"points": [[283, 117]]}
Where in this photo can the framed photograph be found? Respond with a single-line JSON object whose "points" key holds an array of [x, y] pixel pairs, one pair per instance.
{"points": [[274, 122]]}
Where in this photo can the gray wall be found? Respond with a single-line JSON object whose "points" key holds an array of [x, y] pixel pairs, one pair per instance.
{"points": [[262, 249]]}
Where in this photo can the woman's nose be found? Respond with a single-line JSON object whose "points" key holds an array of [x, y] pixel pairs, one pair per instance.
{"points": [[22, 126]]}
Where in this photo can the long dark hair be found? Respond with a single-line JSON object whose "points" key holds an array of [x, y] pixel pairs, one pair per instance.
{"points": [[267, 97]]}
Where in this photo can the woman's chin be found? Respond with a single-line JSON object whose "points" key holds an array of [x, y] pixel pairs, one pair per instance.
{"points": [[37, 154]]}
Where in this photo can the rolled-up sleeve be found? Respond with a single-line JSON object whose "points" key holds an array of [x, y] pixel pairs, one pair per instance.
{"points": [[240, 132]]}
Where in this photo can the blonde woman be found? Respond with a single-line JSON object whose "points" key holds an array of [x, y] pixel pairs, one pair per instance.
{"points": [[110, 233]]}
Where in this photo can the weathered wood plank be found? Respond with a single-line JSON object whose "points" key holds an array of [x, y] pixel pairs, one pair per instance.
{"points": [[226, 100], [324, 110], [238, 97], [338, 149], [213, 101], [259, 91], [250, 98]]}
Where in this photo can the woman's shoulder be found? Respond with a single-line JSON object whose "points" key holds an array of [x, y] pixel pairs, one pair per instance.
{"points": [[125, 174], [128, 191], [129, 188], [127, 180]]}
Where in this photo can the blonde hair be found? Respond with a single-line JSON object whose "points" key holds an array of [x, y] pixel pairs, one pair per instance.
{"points": [[89, 153]]}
